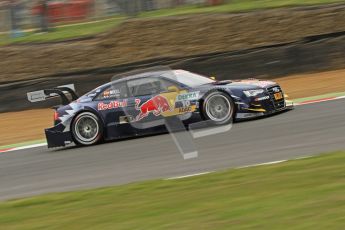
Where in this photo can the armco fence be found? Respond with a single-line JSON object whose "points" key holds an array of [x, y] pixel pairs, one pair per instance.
{"points": [[311, 54], [26, 14]]}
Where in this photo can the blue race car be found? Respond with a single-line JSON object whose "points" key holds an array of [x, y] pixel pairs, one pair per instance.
{"points": [[136, 104]]}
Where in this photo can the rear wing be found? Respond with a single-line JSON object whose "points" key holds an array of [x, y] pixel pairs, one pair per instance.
{"points": [[60, 91]]}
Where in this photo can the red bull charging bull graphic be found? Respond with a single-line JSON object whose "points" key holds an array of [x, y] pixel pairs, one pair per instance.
{"points": [[156, 105]]}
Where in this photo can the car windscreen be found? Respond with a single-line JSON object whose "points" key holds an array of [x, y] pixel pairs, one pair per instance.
{"points": [[188, 78]]}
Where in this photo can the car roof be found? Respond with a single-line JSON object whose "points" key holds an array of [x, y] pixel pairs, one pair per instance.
{"points": [[131, 76]]}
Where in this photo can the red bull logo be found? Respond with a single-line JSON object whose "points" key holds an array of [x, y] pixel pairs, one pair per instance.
{"points": [[156, 105], [112, 105]]}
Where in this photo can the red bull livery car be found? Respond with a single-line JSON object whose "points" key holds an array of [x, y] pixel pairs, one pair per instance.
{"points": [[134, 105]]}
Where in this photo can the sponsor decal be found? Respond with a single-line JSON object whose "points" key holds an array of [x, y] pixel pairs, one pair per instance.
{"points": [[262, 98], [185, 109], [111, 93], [112, 105], [156, 105], [188, 96], [36, 96]]}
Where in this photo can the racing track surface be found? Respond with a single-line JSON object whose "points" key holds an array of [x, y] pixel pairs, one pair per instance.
{"points": [[309, 129]]}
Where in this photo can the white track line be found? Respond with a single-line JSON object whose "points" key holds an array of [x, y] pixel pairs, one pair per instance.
{"points": [[260, 164], [242, 167], [318, 101], [185, 176], [23, 147], [304, 157], [31, 146]]}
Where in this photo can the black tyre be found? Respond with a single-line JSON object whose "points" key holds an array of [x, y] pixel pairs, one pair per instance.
{"points": [[87, 129], [218, 107]]}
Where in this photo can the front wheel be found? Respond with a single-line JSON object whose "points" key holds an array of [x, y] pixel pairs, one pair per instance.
{"points": [[86, 129], [219, 108]]}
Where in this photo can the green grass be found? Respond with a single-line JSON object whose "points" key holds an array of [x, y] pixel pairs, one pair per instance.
{"points": [[300, 194], [65, 32], [76, 31], [235, 6]]}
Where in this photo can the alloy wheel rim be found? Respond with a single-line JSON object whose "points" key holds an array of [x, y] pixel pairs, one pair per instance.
{"points": [[87, 128], [218, 108]]}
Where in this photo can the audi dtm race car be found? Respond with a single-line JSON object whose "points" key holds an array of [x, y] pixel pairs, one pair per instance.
{"points": [[134, 105]]}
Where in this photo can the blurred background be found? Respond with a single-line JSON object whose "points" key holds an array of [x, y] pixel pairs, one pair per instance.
{"points": [[29, 15]]}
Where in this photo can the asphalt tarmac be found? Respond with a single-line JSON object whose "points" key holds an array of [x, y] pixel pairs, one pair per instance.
{"points": [[307, 130]]}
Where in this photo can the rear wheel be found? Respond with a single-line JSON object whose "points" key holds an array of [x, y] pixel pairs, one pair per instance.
{"points": [[87, 129], [219, 108]]}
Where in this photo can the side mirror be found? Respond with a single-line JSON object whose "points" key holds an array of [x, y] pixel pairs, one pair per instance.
{"points": [[213, 78], [173, 89]]}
